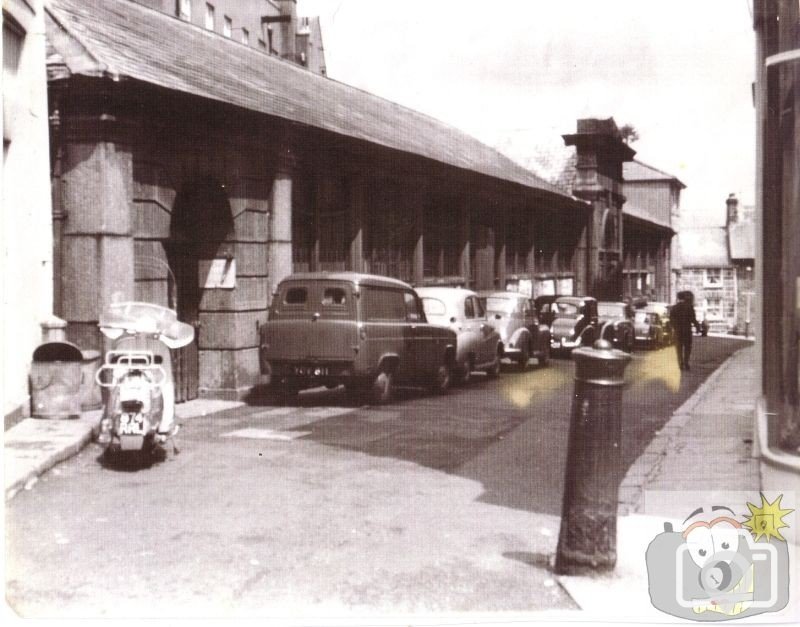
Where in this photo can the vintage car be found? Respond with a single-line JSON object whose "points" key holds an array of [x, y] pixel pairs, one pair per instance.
{"points": [[649, 328], [479, 346], [662, 309], [364, 331], [575, 323], [514, 317], [616, 324]]}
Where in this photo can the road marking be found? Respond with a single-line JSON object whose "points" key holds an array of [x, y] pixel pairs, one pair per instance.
{"points": [[315, 413], [265, 434]]}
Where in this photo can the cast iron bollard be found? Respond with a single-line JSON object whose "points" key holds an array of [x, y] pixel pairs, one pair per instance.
{"points": [[587, 541]]}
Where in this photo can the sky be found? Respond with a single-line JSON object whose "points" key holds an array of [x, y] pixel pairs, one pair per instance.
{"points": [[517, 74]]}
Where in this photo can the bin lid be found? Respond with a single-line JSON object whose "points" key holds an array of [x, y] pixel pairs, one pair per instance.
{"points": [[136, 318], [57, 351]]}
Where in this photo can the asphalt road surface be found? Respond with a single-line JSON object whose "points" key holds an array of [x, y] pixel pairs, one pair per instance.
{"points": [[441, 503]]}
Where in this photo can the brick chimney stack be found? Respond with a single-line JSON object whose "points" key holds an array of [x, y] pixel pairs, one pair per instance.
{"points": [[288, 29], [733, 209]]}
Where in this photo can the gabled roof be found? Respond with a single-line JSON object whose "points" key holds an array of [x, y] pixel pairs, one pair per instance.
{"points": [[122, 39], [704, 247], [637, 170]]}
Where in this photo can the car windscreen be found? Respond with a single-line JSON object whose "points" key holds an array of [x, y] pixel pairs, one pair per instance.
{"points": [[610, 311], [498, 304], [433, 307], [566, 310]]}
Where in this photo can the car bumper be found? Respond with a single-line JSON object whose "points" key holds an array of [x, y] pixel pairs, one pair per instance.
{"points": [[564, 343]]}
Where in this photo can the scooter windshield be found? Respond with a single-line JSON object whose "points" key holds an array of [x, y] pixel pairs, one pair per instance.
{"points": [[135, 318]]}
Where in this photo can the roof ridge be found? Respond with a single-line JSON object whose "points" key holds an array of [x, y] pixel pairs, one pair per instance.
{"points": [[660, 171], [102, 66]]}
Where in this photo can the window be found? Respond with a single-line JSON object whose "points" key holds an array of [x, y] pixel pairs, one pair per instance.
{"points": [[227, 27], [712, 277], [268, 33], [469, 309], [434, 307], [209, 16], [245, 36], [184, 10], [262, 44], [413, 313], [334, 296], [296, 296], [383, 305], [714, 308], [480, 312]]}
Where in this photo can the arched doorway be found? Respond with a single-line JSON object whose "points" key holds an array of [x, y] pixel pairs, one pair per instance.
{"points": [[201, 222]]}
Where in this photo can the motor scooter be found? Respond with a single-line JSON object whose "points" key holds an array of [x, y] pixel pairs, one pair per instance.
{"points": [[139, 407]]}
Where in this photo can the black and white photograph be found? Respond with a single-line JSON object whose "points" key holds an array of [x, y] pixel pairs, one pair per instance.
{"points": [[359, 312]]}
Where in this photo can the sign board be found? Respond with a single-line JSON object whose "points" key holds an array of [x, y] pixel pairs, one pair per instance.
{"points": [[216, 274]]}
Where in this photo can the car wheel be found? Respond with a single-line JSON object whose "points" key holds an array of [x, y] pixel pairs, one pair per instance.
{"points": [[494, 370], [465, 373], [441, 379], [524, 357], [545, 356], [382, 387]]}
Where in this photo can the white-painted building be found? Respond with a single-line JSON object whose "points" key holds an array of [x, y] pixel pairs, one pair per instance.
{"points": [[27, 274]]}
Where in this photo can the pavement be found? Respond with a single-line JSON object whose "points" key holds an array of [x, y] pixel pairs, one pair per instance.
{"points": [[705, 453]]}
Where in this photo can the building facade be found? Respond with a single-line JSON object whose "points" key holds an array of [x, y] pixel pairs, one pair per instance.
{"points": [[200, 182], [777, 99], [651, 217], [719, 269], [271, 26], [26, 232]]}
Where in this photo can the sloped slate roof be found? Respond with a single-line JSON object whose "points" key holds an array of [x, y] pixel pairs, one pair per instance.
{"points": [[742, 239], [632, 210], [119, 38], [639, 171], [704, 247]]}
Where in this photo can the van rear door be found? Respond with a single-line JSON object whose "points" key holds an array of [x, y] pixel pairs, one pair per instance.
{"points": [[312, 320]]}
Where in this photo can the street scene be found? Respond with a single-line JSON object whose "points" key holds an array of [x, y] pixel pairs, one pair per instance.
{"points": [[444, 503], [325, 311]]}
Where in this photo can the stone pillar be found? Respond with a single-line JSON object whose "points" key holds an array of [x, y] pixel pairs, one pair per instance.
{"points": [[97, 264], [279, 245], [464, 243], [530, 261], [358, 207], [416, 198], [500, 257]]}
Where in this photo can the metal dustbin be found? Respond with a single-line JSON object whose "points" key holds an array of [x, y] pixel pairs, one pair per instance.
{"points": [[56, 381], [91, 397]]}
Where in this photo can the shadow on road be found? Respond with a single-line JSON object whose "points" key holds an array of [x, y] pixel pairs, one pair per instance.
{"points": [[510, 434]]}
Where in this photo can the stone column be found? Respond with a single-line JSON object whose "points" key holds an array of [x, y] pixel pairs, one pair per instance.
{"points": [[279, 244], [97, 246], [464, 243]]}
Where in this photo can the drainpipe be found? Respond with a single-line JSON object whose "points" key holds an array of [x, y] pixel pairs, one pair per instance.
{"points": [[58, 213]]}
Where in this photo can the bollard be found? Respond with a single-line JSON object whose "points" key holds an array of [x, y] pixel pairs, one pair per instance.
{"points": [[587, 541]]}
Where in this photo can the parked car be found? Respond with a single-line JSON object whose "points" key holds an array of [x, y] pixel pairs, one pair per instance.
{"points": [[575, 324], [514, 317], [662, 309], [649, 328], [545, 308], [616, 324], [478, 345], [364, 331]]}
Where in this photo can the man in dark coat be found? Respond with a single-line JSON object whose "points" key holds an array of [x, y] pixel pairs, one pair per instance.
{"points": [[682, 317]]}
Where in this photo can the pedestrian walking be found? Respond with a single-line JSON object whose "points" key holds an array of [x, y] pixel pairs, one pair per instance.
{"points": [[683, 318]]}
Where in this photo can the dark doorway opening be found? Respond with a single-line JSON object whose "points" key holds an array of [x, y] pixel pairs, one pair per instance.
{"points": [[201, 222]]}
